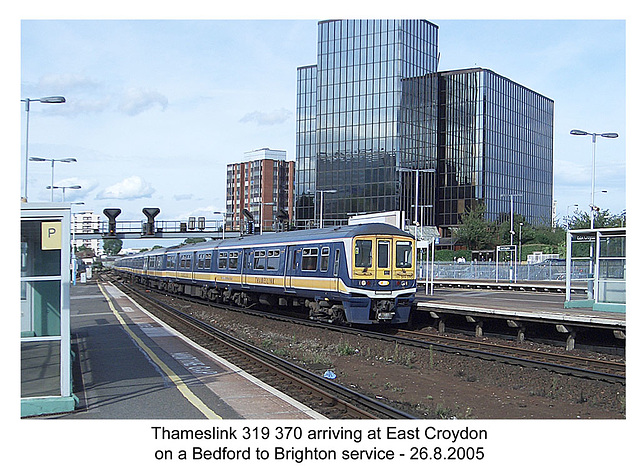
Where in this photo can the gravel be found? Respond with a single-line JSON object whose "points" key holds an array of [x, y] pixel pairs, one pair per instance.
{"points": [[426, 383]]}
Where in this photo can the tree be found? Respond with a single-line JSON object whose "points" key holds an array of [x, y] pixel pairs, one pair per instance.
{"points": [[112, 246], [601, 219], [475, 232]]}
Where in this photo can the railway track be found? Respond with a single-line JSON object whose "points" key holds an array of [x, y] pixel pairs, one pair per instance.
{"points": [[590, 368], [324, 396], [604, 370]]}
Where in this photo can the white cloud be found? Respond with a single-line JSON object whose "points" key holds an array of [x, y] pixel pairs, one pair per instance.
{"points": [[132, 187], [137, 100], [268, 118]]}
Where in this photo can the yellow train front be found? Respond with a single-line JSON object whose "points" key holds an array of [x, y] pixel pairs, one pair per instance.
{"points": [[360, 274]]}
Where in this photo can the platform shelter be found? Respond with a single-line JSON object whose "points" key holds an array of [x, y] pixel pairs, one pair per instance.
{"points": [[597, 256], [45, 349]]}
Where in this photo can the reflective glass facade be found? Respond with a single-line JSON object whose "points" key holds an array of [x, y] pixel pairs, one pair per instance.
{"points": [[379, 125], [495, 140], [360, 117]]}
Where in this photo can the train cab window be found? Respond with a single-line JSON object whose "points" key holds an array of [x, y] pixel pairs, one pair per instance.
{"points": [[233, 260], [383, 254], [363, 252], [273, 259], [310, 258], [259, 258], [324, 259], [222, 260], [404, 255]]}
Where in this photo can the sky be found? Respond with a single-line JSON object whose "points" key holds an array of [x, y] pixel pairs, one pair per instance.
{"points": [[156, 109]]}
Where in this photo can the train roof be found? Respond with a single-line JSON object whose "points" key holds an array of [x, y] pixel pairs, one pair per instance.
{"points": [[337, 232], [330, 233]]}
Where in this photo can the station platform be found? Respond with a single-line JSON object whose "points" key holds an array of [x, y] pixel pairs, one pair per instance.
{"points": [[518, 309], [540, 305], [130, 365]]}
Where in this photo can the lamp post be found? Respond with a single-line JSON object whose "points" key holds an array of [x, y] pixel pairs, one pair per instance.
{"points": [[224, 220], [27, 101], [72, 187], [53, 161], [322, 192], [417, 172], [606, 135]]}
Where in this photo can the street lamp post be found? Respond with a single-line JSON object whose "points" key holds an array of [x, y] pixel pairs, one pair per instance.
{"points": [[27, 101], [322, 192], [224, 220], [63, 188], [606, 135], [53, 161], [417, 172]]}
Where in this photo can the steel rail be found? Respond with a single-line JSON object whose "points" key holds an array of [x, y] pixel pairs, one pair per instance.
{"points": [[354, 402]]}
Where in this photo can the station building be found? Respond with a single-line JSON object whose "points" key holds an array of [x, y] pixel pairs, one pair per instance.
{"points": [[381, 129]]}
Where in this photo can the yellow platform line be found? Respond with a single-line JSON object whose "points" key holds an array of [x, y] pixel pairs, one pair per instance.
{"points": [[180, 384]]}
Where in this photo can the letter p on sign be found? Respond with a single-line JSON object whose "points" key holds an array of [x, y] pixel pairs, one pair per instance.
{"points": [[51, 236]]}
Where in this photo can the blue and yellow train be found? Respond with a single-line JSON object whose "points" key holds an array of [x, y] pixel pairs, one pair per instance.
{"points": [[360, 274]]}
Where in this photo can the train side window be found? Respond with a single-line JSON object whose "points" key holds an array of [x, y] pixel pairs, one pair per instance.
{"points": [[152, 262], [363, 252], [273, 259], [336, 263], [258, 260], [310, 258], [207, 260], [233, 260], [324, 259], [200, 261], [222, 260]]}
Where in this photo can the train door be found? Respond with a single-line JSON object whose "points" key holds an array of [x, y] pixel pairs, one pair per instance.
{"points": [[290, 268], [245, 266], [383, 259], [336, 270]]}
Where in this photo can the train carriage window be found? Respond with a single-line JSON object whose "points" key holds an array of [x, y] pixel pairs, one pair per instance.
{"points": [[222, 260], [404, 255], [233, 260], [363, 252], [383, 254], [310, 258], [152, 262], [324, 259], [200, 261], [259, 260], [273, 259], [207, 260]]}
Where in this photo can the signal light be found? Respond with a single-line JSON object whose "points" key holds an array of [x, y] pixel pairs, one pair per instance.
{"points": [[150, 213], [112, 214]]}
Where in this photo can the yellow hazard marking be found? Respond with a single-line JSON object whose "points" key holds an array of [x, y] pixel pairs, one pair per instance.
{"points": [[180, 384]]}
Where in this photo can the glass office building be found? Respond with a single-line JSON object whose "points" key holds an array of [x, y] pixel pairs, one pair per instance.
{"points": [[495, 140], [379, 129], [353, 123]]}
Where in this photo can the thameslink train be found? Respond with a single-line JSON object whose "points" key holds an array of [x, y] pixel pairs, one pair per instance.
{"points": [[359, 274]]}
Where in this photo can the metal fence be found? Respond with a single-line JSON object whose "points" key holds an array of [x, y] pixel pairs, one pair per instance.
{"points": [[505, 271]]}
